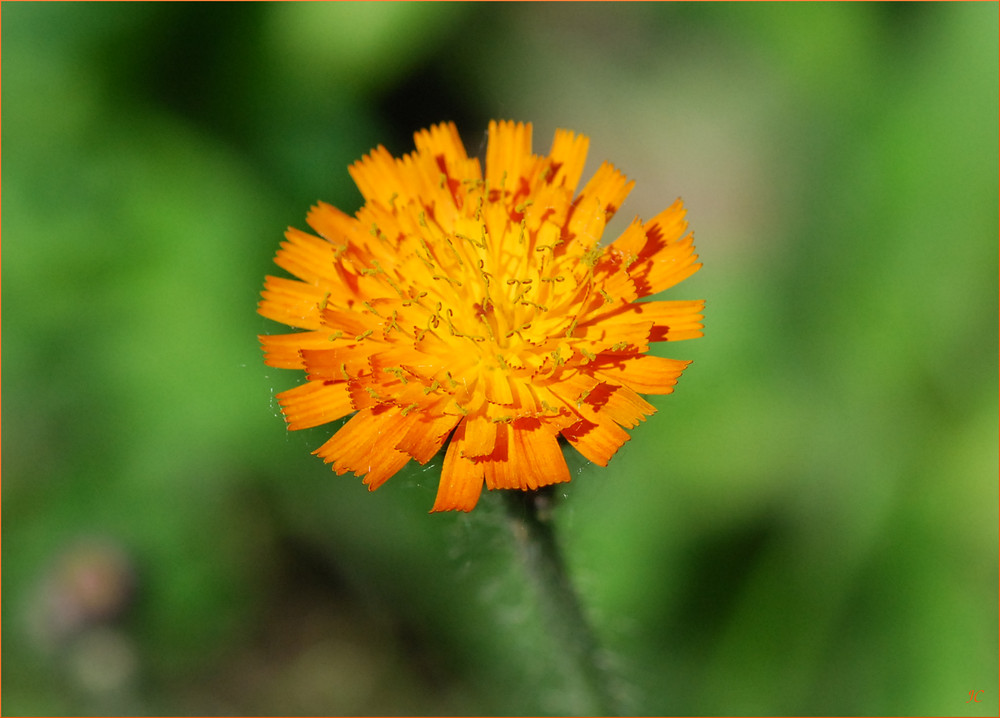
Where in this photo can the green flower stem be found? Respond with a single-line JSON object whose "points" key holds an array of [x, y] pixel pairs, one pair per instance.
{"points": [[530, 515]]}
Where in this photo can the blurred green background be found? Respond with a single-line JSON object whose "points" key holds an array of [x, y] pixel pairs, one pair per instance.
{"points": [[808, 526]]}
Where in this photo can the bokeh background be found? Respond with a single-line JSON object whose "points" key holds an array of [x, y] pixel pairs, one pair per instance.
{"points": [[808, 525]]}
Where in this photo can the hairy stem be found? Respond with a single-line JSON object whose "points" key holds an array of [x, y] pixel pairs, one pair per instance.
{"points": [[530, 515]]}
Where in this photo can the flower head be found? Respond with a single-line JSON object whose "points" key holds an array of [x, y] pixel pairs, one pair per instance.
{"points": [[479, 307]]}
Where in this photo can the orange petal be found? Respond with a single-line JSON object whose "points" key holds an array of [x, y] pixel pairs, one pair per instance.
{"points": [[663, 321], [666, 227], [675, 320], [527, 456], [598, 440], [538, 457], [523, 400], [606, 191], [291, 302], [334, 225], [359, 446], [645, 374], [384, 468], [315, 403], [573, 386], [309, 258], [620, 287], [499, 468], [629, 336], [480, 436], [376, 176], [627, 248], [351, 323], [441, 139], [586, 224], [567, 157], [621, 404], [284, 351], [667, 256], [339, 361], [461, 478], [508, 155], [426, 436], [497, 387], [676, 265]]}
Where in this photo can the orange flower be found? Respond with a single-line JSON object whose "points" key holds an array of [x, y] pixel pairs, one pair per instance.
{"points": [[480, 308]]}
